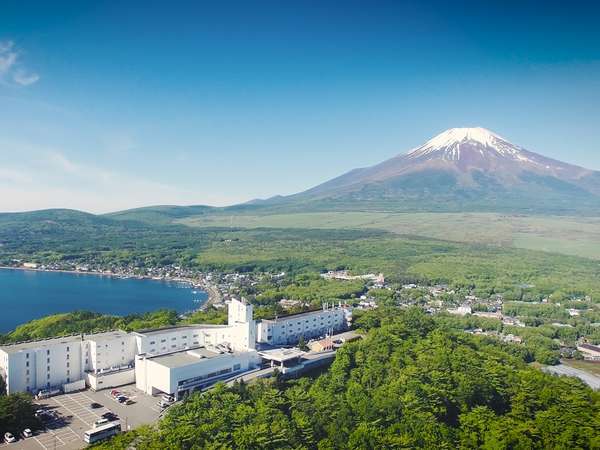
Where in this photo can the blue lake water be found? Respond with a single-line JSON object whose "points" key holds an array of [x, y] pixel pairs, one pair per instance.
{"points": [[27, 295]]}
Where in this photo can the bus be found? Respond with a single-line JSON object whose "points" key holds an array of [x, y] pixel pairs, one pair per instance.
{"points": [[102, 432]]}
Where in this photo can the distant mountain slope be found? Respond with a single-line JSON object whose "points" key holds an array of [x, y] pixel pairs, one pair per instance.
{"points": [[160, 215], [462, 169]]}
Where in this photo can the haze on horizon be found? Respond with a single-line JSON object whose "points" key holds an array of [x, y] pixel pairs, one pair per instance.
{"points": [[109, 107]]}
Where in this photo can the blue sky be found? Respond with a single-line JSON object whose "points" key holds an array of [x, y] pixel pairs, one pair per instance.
{"points": [[106, 107]]}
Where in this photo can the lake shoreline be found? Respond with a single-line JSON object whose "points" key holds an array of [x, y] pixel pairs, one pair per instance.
{"points": [[214, 296], [102, 297]]}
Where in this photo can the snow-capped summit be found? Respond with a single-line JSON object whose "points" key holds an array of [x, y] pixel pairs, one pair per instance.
{"points": [[448, 145], [463, 169]]}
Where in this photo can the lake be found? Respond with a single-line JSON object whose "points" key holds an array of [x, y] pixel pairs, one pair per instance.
{"points": [[27, 295]]}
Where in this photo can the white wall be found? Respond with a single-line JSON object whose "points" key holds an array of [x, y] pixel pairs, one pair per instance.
{"points": [[50, 365], [168, 341], [287, 330], [108, 351], [110, 380], [151, 376]]}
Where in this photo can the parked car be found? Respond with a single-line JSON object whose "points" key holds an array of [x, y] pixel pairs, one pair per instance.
{"points": [[95, 405], [47, 393], [115, 393], [122, 399], [45, 416], [101, 422], [26, 433], [9, 438], [111, 416]]}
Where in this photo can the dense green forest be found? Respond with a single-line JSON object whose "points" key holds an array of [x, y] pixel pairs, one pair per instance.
{"points": [[412, 382]]}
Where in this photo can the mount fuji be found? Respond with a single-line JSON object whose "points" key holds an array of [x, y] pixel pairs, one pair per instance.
{"points": [[461, 169]]}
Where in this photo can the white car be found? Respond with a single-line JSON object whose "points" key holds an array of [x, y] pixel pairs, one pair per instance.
{"points": [[27, 433], [9, 438]]}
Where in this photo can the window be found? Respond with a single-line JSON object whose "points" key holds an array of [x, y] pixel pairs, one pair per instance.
{"points": [[48, 360], [48, 377], [68, 380], [152, 350], [122, 342], [174, 338], [173, 346], [27, 364], [47, 352], [68, 365], [27, 355], [27, 372], [67, 356], [152, 342], [86, 361], [67, 348], [163, 340], [236, 366], [183, 337], [68, 372], [27, 380]]}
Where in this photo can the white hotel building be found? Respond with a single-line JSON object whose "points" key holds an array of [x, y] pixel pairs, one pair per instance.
{"points": [[172, 360], [289, 329], [105, 360]]}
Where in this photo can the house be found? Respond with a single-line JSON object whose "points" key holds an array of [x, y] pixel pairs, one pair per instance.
{"points": [[590, 352]]}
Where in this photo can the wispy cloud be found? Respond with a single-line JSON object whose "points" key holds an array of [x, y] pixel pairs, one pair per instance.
{"points": [[37, 177], [24, 78], [12, 69]]}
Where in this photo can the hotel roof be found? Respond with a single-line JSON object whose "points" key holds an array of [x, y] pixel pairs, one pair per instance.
{"points": [[49, 342], [154, 331], [186, 357], [39, 344], [301, 315]]}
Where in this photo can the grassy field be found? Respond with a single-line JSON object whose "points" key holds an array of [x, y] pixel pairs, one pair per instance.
{"points": [[593, 368], [579, 236]]}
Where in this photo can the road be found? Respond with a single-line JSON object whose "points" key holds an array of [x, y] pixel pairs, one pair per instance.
{"points": [[591, 380]]}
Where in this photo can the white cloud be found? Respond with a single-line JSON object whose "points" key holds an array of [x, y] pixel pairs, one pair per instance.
{"points": [[11, 67], [8, 58], [25, 79]]}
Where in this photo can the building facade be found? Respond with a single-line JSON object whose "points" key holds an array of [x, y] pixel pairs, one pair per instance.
{"points": [[107, 359], [289, 329]]}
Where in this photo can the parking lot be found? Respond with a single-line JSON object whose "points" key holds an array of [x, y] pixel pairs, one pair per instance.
{"points": [[75, 416]]}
